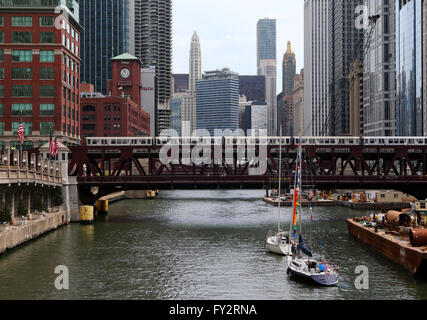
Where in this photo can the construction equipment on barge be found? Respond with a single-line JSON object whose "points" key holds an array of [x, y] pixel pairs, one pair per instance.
{"points": [[400, 236]]}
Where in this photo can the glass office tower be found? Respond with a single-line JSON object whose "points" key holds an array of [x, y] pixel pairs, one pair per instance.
{"points": [[217, 101], [109, 28], [409, 59]]}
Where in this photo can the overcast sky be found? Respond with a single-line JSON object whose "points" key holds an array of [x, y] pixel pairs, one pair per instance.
{"points": [[227, 31]]}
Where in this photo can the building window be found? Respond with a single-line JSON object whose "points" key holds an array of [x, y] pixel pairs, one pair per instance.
{"points": [[1, 21], [89, 117], [47, 37], [88, 127], [28, 128], [47, 109], [46, 21], [1, 55], [1, 128], [22, 21], [1, 73], [1, 109], [46, 128], [22, 73], [47, 73], [22, 37], [1, 91], [22, 91], [88, 108], [22, 55], [47, 56], [47, 91], [1, 37], [25, 108]]}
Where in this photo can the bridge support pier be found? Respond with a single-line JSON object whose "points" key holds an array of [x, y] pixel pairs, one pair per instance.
{"points": [[71, 197]]}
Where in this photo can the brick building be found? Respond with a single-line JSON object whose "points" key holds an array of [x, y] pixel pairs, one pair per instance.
{"points": [[39, 72], [119, 113]]}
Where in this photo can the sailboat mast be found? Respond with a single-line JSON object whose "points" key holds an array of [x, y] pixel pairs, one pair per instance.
{"points": [[294, 204], [280, 178], [300, 191]]}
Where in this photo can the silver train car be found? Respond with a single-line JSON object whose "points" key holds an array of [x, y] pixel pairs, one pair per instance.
{"points": [[320, 141]]}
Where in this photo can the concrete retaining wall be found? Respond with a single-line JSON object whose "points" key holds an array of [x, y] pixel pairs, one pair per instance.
{"points": [[16, 235]]}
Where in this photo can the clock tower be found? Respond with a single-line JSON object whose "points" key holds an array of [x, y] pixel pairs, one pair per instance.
{"points": [[126, 77]]}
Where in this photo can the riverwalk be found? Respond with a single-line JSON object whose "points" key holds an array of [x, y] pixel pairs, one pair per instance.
{"points": [[29, 228]]}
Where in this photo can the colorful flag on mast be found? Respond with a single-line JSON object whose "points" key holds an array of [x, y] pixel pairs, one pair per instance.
{"points": [[21, 134]]}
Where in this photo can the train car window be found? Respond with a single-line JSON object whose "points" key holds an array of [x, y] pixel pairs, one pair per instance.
{"points": [[351, 141]]}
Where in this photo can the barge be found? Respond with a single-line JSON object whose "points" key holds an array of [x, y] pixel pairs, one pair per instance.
{"points": [[401, 247]]}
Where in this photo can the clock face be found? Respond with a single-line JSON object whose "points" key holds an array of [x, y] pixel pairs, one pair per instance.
{"points": [[125, 73]]}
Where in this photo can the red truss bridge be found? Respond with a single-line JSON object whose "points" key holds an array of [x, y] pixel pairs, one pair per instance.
{"points": [[335, 163]]}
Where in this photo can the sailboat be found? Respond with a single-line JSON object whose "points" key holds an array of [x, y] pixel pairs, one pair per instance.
{"points": [[301, 267], [278, 241]]}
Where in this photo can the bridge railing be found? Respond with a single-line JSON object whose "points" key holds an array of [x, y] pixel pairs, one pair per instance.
{"points": [[30, 169]]}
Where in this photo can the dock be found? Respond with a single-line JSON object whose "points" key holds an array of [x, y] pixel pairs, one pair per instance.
{"points": [[289, 203], [385, 206]]}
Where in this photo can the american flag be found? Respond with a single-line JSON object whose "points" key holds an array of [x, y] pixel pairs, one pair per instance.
{"points": [[56, 147], [51, 146], [21, 130]]}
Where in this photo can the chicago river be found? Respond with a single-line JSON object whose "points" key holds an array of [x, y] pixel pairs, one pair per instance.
{"points": [[196, 245]]}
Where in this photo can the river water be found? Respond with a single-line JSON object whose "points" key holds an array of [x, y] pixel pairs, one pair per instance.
{"points": [[196, 245]]}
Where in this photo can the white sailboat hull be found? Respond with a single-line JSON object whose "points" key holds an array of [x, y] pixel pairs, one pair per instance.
{"points": [[277, 246]]}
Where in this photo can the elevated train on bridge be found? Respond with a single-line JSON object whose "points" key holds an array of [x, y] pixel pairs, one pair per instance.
{"points": [[321, 141]]}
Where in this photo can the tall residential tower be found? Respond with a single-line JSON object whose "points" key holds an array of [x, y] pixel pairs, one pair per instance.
{"points": [[153, 45]]}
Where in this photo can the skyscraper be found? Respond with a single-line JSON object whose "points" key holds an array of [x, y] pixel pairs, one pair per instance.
{"points": [[217, 99], [108, 31], [409, 68], [266, 40], [288, 70], [153, 43], [253, 87], [298, 103], [266, 66], [316, 37], [195, 74], [344, 44], [379, 73], [195, 62]]}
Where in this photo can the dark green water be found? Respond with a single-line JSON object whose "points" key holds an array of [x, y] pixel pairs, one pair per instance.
{"points": [[195, 245]]}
